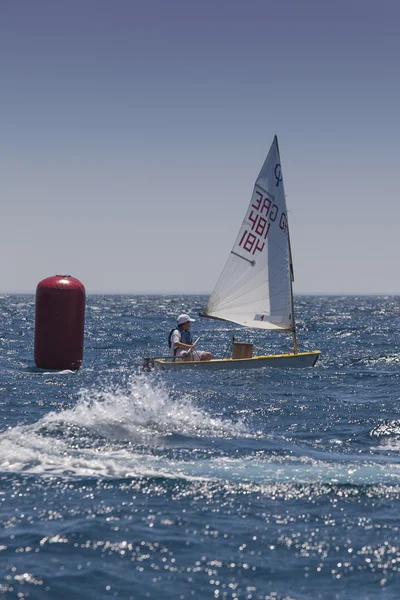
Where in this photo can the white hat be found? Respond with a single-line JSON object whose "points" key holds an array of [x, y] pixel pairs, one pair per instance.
{"points": [[184, 319]]}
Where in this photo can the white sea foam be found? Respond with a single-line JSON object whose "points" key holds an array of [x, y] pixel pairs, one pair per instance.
{"points": [[128, 432], [107, 432], [303, 470], [142, 411]]}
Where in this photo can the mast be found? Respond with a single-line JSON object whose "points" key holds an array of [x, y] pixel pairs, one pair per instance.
{"points": [[291, 296], [291, 271]]}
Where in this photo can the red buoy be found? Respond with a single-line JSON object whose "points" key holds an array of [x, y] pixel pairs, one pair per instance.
{"points": [[59, 323]]}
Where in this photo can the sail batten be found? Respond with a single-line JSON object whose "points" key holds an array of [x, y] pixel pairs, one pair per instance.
{"points": [[254, 288]]}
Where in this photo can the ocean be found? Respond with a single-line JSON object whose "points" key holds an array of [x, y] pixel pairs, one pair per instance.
{"points": [[272, 484]]}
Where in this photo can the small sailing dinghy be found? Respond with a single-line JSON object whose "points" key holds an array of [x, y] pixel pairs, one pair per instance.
{"points": [[255, 289]]}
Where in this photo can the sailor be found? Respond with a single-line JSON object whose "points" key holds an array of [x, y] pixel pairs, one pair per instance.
{"points": [[181, 342]]}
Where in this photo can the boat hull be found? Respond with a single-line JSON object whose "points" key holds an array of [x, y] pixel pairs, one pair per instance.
{"points": [[299, 360]]}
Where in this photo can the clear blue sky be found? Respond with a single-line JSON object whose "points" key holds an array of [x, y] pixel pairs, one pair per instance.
{"points": [[132, 133]]}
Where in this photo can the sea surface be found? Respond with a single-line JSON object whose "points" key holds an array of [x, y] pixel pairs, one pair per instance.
{"points": [[273, 484]]}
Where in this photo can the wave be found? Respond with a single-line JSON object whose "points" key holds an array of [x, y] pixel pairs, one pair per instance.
{"points": [[140, 430], [111, 432]]}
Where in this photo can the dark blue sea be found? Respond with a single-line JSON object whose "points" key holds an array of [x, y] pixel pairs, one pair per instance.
{"points": [[273, 484]]}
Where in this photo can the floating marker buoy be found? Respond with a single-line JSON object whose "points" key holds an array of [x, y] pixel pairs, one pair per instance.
{"points": [[59, 323]]}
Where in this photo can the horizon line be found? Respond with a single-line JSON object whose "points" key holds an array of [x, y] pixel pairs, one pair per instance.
{"points": [[180, 293]]}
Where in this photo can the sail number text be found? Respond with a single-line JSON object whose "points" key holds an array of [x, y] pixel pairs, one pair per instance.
{"points": [[262, 212]]}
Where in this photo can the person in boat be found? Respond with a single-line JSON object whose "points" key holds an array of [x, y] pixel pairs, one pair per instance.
{"points": [[181, 342]]}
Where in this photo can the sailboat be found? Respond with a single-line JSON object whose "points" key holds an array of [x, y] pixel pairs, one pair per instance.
{"points": [[255, 289]]}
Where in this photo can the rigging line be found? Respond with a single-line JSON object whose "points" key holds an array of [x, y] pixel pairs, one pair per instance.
{"points": [[236, 302], [282, 249], [276, 294], [229, 274], [230, 344], [235, 282], [278, 311], [224, 276], [264, 190], [277, 273], [277, 317], [234, 299], [278, 250]]}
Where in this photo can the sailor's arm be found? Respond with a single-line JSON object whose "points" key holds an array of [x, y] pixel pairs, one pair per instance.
{"points": [[182, 345]]}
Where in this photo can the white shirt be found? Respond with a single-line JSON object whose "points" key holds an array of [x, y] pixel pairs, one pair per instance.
{"points": [[176, 337]]}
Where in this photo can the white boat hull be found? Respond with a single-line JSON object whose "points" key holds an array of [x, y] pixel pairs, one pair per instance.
{"points": [[299, 360]]}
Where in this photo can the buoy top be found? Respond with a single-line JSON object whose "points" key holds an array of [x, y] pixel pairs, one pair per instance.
{"points": [[62, 282]]}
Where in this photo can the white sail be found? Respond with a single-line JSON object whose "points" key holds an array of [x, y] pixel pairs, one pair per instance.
{"points": [[255, 288]]}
